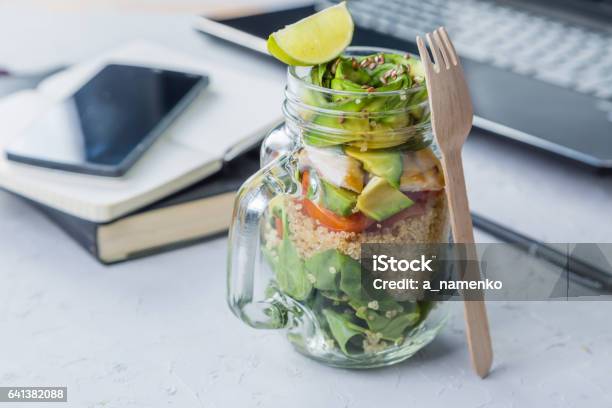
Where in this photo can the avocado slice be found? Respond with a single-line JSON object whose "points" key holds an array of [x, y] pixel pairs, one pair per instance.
{"points": [[339, 200], [385, 164], [379, 200], [416, 68]]}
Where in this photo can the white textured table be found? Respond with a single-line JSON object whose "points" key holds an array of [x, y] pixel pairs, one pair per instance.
{"points": [[156, 332]]}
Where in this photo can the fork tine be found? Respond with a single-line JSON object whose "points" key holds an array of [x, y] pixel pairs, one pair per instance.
{"points": [[425, 59], [441, 47], [449, 45], [437, 58]]}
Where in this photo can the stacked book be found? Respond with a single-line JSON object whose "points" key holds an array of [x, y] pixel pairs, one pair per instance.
{"points": [[180, 191], [191, 215]]}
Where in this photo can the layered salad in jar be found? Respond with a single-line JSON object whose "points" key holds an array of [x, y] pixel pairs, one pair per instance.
{"points": [[368, 173]]}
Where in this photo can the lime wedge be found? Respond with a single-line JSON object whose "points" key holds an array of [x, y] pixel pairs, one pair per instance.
{"points": [[315, 39]]}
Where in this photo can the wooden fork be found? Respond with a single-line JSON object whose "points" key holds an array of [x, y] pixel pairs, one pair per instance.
{"points": [[451, 118]]}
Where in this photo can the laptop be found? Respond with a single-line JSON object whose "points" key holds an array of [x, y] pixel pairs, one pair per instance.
{"points": [[539, 71]]}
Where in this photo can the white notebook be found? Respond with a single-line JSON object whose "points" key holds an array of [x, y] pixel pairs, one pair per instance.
{"points": [[228, 117]]}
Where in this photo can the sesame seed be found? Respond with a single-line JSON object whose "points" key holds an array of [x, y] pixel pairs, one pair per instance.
{"points": [[373, 305], [332, 270]]}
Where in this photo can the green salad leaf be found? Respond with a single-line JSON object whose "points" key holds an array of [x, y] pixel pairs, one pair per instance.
{"points": [[341, 327], [365, 75], [326, 268], [394, 331], [290, 272], [350, 278], [390, 328], [334, 270]]}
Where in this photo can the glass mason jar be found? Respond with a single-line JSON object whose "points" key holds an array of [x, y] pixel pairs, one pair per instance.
{"points": [[346, 168]]}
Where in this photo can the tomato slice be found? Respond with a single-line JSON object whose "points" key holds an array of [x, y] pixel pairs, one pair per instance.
{"points": [[278, 226], [353, 223]]}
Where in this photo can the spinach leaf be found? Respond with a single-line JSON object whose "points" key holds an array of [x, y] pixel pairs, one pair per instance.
{"points": [[334, 296], [341, 328], [394, 331], [350, 278], [389, 328], [333, 271], [290, 273], [376, 322], [326, 268]]}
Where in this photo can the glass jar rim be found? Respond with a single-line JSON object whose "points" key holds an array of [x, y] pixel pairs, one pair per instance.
{"points": [[292, 72]]}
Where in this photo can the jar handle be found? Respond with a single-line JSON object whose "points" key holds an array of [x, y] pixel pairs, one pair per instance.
{"points": [[252, 200]]}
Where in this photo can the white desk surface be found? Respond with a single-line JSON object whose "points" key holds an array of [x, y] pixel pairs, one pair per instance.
{"points": [[156, 332]]}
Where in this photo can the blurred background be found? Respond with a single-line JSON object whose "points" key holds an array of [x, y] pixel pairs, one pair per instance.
{"points": [[155, 331]]}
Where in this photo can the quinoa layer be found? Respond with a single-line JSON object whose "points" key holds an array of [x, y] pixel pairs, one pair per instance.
{"points": [[310, 237]]}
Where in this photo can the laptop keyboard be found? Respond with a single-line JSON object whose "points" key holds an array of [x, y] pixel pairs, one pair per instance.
{"points": [[505, 37]]}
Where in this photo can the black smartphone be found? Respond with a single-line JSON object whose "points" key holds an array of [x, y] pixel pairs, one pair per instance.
{"points": [[105, 126]]}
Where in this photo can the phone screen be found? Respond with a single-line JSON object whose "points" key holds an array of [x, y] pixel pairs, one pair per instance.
{"points": [[105, 126]]}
